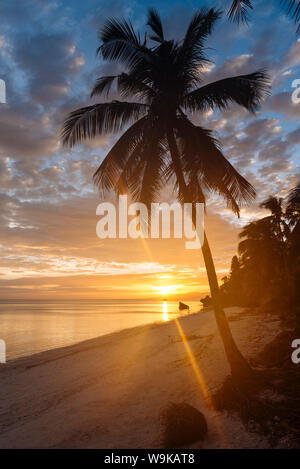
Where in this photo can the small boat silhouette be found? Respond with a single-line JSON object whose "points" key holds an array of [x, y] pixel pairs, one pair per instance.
{"points": [[183, 306]]}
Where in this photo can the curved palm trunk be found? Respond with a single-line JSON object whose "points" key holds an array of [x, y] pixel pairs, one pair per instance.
{"points": [[238, 364]]}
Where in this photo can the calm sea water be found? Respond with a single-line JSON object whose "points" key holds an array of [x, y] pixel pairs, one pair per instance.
{"points": [[32, 327]]}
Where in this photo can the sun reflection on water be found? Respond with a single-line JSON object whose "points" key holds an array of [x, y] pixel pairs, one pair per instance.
{"points": [[165, 311]]}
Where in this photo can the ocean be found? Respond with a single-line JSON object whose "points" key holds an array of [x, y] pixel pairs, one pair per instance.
{"points": [[30, 327]]}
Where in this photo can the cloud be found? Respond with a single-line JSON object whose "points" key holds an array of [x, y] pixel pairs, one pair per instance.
{"points": [[48, 74], [282, 103], [26, 132]]}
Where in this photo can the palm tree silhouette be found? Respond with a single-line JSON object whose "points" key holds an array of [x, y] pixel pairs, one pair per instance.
{"points": [[279, 225], [262, 258], [267, 269], [162, 84]]}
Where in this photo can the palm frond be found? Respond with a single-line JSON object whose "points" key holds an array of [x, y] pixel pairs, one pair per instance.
{"points": [[292, 9], [200, 27], [245, 90], [90, 121], [121, 43], [143, 174], [258, 229], [118, 30], [108, 174], [103, 84], [153, 175], [191, 55], [130, 86], [294, 196], [202, 157], [293, 205], [273, 204], [239, 11], [154, 21], [129, 178]]}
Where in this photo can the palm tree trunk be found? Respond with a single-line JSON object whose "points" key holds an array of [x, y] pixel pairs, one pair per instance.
{"points": [[238, 364]]}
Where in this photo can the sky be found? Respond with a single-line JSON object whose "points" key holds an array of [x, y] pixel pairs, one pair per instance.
{"points": [[48, 242]]}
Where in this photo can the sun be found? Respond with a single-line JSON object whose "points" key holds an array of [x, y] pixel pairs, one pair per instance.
{"points": [[166, 289]]}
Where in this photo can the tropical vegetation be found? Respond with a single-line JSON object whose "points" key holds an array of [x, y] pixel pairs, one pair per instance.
{"points": [[267, 267]]}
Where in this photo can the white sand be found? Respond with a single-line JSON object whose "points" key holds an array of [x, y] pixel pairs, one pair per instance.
{"points": [[108, 392]]}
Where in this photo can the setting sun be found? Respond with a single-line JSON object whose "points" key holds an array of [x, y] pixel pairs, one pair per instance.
{"points": [[167, 289]]}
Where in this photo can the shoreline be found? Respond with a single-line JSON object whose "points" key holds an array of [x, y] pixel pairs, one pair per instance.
{"points": [[108, 392], [94, 342]]}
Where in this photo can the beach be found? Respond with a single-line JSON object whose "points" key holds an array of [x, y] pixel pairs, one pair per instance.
{"points": [[108, 392]]}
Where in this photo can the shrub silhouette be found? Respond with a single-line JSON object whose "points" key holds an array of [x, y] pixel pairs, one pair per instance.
{"points": [[182, 424]]}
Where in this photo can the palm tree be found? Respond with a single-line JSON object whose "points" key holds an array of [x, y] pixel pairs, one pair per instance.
{"points": [[262, 259], [239, 10], [269, 259], [269, 249], [162, 83], [231, 289], [278, 223], [281, 233]]}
